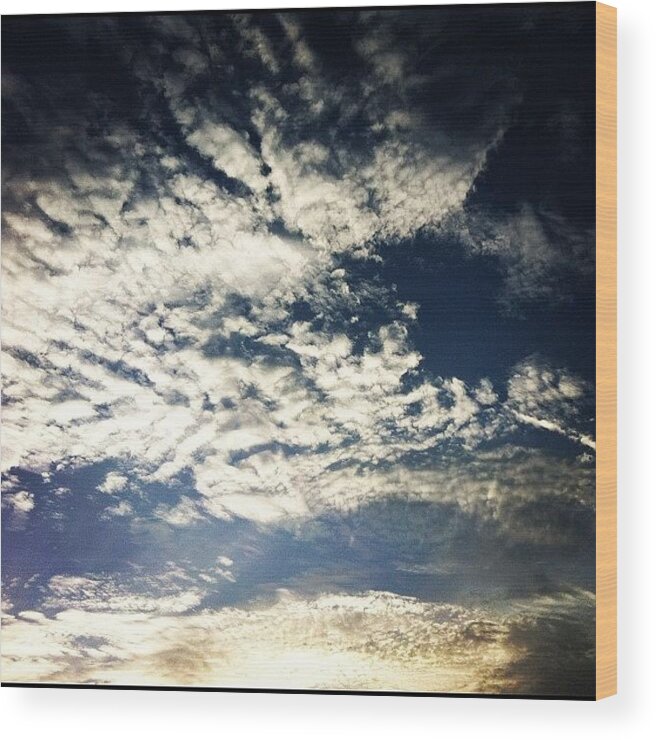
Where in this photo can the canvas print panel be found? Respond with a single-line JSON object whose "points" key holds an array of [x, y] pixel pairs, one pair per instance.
{"points": [[298, 350]]}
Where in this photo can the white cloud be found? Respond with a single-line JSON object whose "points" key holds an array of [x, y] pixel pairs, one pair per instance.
{"points": [[143, 380], [166, 594], [229, 151], [485, 394], [122, 508], [113, 483], [122, 340], [224, 568], [184, 513], [20, 501]]}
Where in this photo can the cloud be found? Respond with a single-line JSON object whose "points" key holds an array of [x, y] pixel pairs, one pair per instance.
{"points": [[164, 594], [113, 483], [266, 424], [550, 399], [21, 502], [194, 341], [224, 568], [229, 152], [123, 508], [527, 494], [150, 301], [256, 43], [184, 513], [366, 641]]}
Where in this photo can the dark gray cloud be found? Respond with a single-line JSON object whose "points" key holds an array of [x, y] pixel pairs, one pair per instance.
{"points": [[556, 650]]}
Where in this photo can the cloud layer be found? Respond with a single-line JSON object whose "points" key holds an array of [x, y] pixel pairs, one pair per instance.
{"points": [[368, 641]]}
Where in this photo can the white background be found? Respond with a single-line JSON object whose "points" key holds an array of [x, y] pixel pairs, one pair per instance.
{"points": [[61, 713]]}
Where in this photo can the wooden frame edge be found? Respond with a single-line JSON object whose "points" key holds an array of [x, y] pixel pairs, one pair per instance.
{"points": [[606, 350]]}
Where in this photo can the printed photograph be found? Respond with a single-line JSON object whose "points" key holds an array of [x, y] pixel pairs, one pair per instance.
{"points": [[298, 350]]}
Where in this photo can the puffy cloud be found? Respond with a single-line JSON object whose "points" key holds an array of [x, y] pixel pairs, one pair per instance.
{"points": [[122, 508], [194, 358], [185, 512], [265, 420], [149, 302], [485, 394], [113, 483], [256, 43], [21, 502], [224, 565], [229, 152]]}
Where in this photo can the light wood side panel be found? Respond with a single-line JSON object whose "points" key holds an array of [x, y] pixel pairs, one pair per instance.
{"points": [[606, 362]]}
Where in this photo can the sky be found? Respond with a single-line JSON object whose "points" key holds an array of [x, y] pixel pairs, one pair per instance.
{"points": [[298, 349]]}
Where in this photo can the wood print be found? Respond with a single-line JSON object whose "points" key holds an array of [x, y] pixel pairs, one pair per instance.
{"points": [[307, 349]]}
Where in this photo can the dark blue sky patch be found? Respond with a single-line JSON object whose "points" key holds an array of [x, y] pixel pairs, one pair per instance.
{"points": [[463, 330]]}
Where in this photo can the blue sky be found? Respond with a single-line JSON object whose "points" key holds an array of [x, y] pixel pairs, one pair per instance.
{"points": [[298, 349]]}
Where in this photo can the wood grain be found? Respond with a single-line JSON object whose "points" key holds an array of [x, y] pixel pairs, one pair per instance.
{"points": [[606, 363]]}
